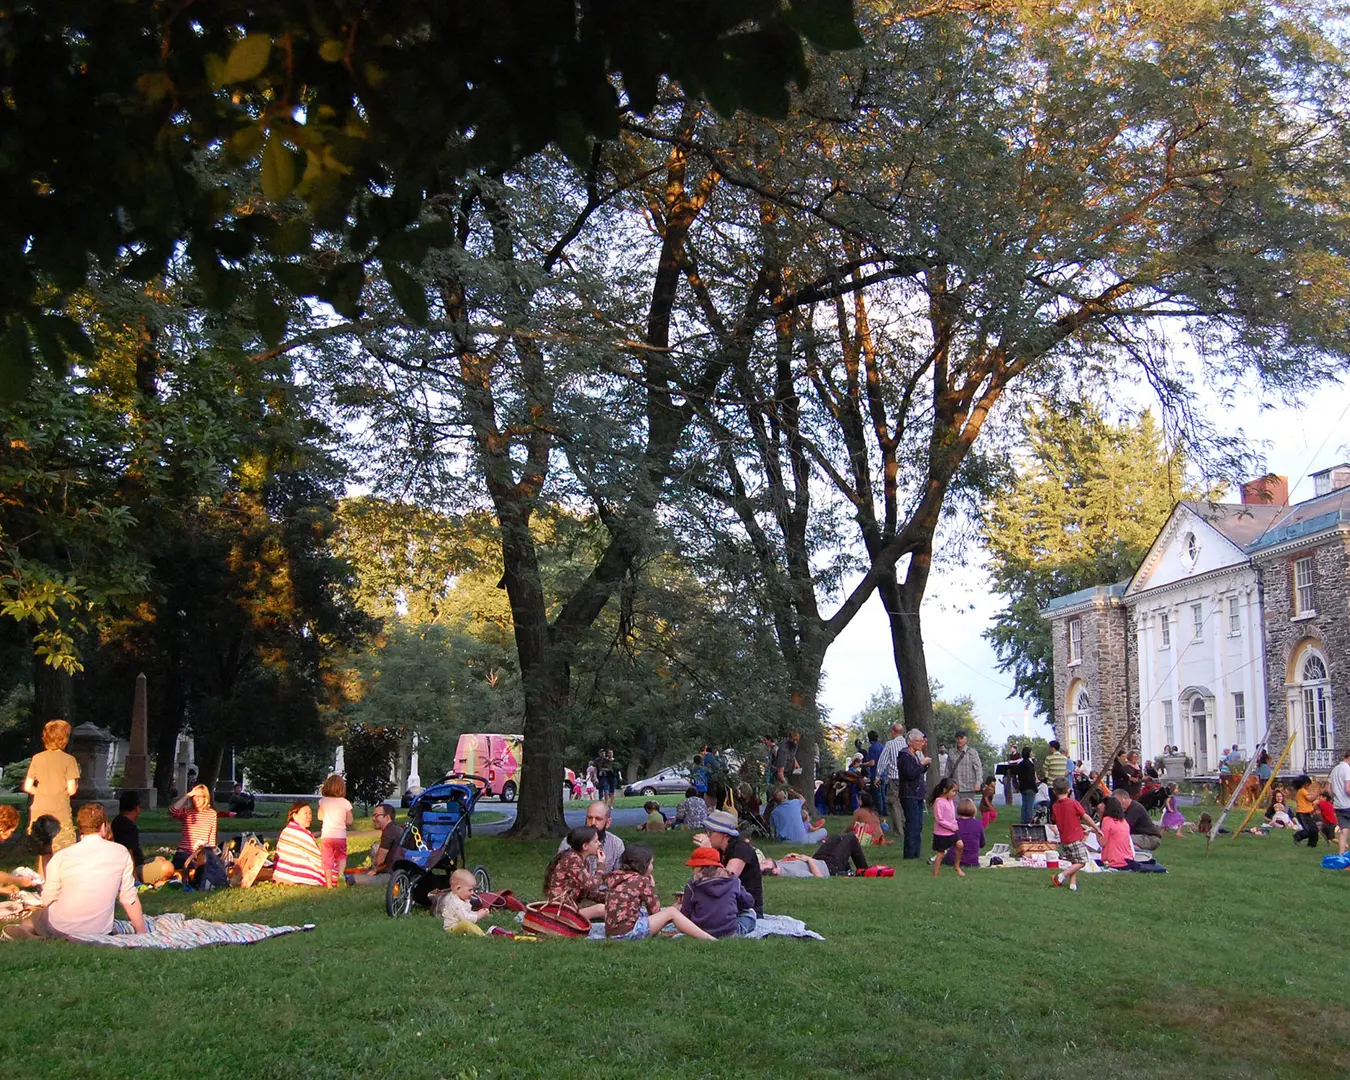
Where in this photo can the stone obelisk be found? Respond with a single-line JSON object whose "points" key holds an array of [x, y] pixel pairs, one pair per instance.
{"points": [[136, 773]]}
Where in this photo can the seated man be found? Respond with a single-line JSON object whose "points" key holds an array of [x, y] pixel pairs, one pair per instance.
{"points": [[692, 812], [126, 832], [241, 802], [84, 883], [1144, 831], [387, 850], [788, 821]]}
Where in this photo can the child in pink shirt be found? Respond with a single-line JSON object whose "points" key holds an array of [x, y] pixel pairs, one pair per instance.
{"points": [[1117, 847], [946, 835]]}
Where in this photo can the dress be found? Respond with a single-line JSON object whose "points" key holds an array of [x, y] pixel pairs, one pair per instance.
{"points": [[50, 770], [1172, 817]]}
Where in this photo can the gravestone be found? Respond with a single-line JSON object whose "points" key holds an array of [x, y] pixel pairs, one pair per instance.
{"points": [[89, 745]]}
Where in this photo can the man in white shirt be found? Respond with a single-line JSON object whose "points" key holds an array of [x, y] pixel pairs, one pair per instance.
{"points": [[1340, 797], [84, 882]]}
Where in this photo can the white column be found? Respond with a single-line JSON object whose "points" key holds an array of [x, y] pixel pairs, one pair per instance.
{"points": [[1148, 708], [414, 780], [1223, 704], [1253, 634]]}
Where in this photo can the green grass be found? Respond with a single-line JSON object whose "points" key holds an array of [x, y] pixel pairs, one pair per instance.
{"points": [[1225, 967]]}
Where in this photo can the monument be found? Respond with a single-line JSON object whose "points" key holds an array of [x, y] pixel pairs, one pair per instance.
{"points": [[89, 745], [136, 774]]}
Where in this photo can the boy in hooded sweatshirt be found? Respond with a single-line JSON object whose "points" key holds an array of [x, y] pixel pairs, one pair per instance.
{"points": [[715, 900]]}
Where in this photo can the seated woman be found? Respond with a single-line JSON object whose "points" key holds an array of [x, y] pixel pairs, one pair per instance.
{"points": [[1117, 847], [692, 812], [9, 821], [867, 824], [299, 861], [566, 879], [1277, 813], [198, 817]]}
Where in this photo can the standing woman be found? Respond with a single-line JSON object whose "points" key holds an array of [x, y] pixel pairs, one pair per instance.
{"points": [[53, 777], [1026, 784]]}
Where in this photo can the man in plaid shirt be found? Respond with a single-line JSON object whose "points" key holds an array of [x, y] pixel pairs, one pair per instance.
{"points": [[888, 775]]}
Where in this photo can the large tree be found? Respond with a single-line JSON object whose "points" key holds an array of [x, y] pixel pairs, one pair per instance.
{"points": [[1085, 499]]}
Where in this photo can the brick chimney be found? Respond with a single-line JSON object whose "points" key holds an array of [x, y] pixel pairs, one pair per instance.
{"points": [[1268, 490]]}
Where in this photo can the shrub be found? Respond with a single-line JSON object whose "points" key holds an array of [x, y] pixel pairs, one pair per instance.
{"points": [[11, 777], [286, 769]]}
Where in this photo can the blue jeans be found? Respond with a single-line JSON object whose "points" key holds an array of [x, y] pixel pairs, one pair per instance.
{"points": [[913, 809], [745, 922], [1028, 806]]}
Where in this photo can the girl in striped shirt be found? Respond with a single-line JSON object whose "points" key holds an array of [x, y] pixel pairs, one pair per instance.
{"points": [[298, 858], [194, 810]]}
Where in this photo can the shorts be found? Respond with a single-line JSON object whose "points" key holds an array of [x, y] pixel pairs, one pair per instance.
{"points": [[945, 843], [1073, 852], [641, 929], [1343, 817]]}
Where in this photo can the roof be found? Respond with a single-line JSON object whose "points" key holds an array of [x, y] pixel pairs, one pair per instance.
{"points": [[1304, 519], [1240, 523], [1083, 596]]}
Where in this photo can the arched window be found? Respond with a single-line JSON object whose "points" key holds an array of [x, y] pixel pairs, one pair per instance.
{"points": [[1078, 724], [1318, 728], [1199, 733]]}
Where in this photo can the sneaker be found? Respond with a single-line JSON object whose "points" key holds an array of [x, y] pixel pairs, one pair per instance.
{"points": [[1055, 883], [1073, 887]]}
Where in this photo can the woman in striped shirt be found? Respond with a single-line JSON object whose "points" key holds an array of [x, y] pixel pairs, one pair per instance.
{"points": [[194, 810], [299, 861]]}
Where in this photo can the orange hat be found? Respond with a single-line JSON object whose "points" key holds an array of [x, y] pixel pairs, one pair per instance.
{"points": [[705, 856]]}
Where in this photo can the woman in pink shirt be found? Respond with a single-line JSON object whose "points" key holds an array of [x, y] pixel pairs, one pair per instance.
{"points": [[1117, 847]]}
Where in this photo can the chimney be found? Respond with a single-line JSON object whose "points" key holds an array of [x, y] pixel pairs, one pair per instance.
{"points": [[1332, 479], [1268, 490]]}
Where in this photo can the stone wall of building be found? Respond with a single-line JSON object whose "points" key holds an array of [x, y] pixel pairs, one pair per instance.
{"points": [[1108, 650], [1330, 628]]}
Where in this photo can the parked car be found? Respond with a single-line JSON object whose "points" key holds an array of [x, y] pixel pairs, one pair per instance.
{"points": [[671, 781]]}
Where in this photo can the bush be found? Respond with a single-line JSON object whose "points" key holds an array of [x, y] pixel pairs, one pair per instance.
{"points": [[292, 770], [11, 777]]}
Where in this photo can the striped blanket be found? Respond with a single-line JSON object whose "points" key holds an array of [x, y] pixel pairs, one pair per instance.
{"points": [[174, 931]]}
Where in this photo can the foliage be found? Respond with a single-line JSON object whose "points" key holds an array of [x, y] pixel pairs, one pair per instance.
{"points": [[11, 777], [111, 113], [369, 752], [885, 708], [286, 769], [1081, 508]]}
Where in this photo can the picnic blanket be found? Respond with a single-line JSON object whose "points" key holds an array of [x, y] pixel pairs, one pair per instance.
{"points": [[174, 931], [765, 926]]}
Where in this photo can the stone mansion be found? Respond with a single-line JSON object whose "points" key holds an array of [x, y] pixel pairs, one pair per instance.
{"points": [[1238, 616]]}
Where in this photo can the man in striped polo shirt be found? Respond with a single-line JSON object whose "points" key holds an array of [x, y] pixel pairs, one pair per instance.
{"points": [[1055, 765]]}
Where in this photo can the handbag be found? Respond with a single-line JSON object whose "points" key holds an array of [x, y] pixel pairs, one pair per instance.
{"points": [[555, 919]]}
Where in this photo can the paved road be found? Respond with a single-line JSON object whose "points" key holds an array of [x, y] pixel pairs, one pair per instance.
{"points": [[624, 818]]}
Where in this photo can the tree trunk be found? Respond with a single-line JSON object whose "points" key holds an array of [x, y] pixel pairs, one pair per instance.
{"points": [[805, 719], [170, 724], [545, 681], [209, 752], [903, 600], [53, 694]]}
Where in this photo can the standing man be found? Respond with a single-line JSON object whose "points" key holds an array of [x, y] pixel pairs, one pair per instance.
{"points": [[611, 847], [874, 749], [966, 769], [913, 784], [1056, 764], [888, 785], [785, 760], [1340, 797]]}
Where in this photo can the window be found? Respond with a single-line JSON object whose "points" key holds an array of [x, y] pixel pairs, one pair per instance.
{"points": [[1304, 598], [1240, 718], [1080, 728], [1319, 732], [1190, 550], [1198, 621], [1169, 729], [1075, 640], [1165, 626], [1199, 733], [1234, 616]]}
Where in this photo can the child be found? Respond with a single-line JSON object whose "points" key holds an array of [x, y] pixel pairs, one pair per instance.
{"points": [[1326, 814], [455, 908], [715, 900], [1172, 819], [566, 878], [656, 821], [988, 815], [1117, 847], [335, 814], [971, 832], [946, 836], [632, 908], [1205, 825], [1070, 818]]}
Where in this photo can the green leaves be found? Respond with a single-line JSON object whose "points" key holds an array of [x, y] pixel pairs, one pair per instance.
{"points": [[247, 59], [408, 291], [827, 24], [16, 358], [278, 169]]}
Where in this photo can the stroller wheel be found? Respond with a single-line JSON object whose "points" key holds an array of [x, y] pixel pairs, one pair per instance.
{"points": [[482, 880], [398, 895]]}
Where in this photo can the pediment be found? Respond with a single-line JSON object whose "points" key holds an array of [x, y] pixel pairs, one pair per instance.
{"points": [[1186, 547]]}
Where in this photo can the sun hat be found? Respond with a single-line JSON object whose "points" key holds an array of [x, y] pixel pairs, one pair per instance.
{"points": [[704, 856], [723, 822]]}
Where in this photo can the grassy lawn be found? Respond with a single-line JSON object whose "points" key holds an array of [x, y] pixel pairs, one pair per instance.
{"points": [[1225, 967]]}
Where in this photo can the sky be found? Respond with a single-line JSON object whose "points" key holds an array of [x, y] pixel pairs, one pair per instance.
{"points": [[958, 608]]}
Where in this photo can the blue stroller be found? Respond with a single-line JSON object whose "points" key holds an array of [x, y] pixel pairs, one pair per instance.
{"points": [[433, 844]]}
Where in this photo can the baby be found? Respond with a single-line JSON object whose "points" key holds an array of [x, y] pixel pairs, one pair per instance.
{"points": [[456, 912]]}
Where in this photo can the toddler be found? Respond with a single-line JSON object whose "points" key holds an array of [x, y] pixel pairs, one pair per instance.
{"points": [[971, 833], [656, 821], [988, 814], [456, 909], [335, 814]]}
